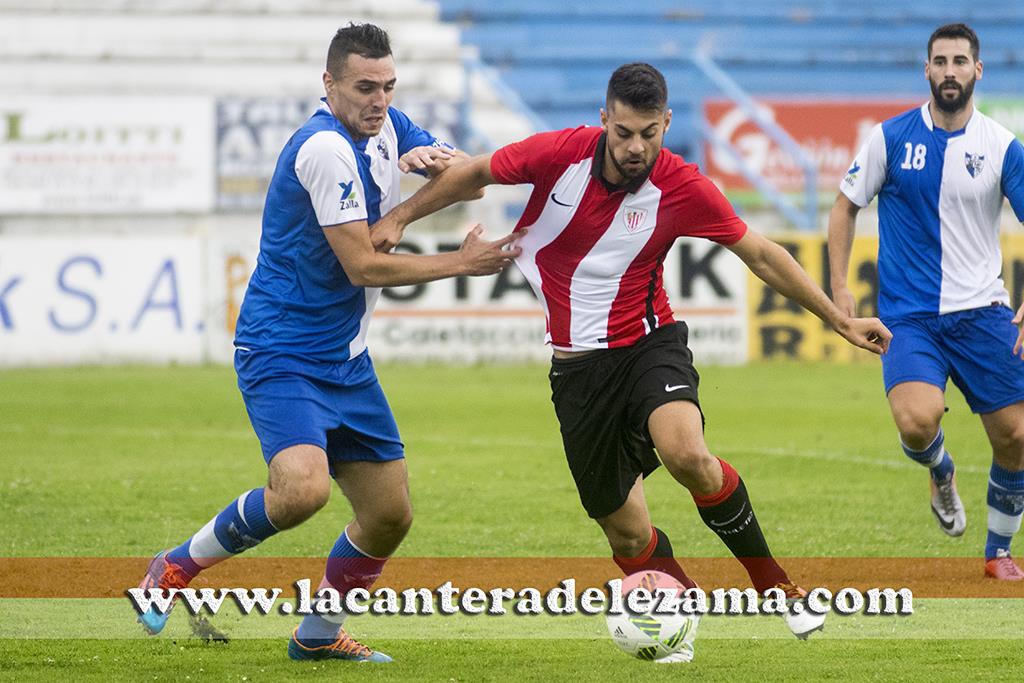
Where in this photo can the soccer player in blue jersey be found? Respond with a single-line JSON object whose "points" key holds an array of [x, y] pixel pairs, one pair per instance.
{"points": [[940, 173], [303, 369]]}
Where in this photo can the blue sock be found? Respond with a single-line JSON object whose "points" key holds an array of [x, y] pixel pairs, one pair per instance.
{"points": [[1005, 509], [347, 567], [240, 526], [934, 457]]}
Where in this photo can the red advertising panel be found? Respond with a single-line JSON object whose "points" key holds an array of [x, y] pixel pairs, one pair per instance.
{"points": [[830, 132]]}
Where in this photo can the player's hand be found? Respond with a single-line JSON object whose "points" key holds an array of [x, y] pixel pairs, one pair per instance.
{"points": [[486, 258], [844, 301], [385, 234], [867, 333], [432, 160], [1018, 320]]}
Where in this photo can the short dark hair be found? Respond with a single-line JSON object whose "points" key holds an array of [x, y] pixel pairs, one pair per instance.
{"points": [[365, 40], [638, 85], [954, 31]]}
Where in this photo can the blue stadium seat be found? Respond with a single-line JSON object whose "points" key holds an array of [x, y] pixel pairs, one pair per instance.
{"points": [[558, 55]]}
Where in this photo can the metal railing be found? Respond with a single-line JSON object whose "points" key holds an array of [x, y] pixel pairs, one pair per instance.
{"points": [[477, 140], [805, 218]]}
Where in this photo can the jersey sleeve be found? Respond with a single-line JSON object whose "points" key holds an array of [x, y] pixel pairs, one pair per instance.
{"points": [[867, 173], [524, 161], [703, 211], [410, 135], [326, 167], [1013, 177]]}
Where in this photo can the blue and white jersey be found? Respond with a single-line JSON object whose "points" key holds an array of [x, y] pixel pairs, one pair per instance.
{"points": [[939, 198], [299, 299]]}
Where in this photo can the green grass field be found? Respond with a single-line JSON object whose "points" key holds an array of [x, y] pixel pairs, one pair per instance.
{"points": [[121, 462]]}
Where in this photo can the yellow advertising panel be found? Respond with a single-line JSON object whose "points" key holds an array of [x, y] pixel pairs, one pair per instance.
{"points": [[782, 329]]}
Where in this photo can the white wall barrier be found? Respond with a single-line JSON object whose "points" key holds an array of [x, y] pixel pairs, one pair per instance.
{"points": [[126, 299]]}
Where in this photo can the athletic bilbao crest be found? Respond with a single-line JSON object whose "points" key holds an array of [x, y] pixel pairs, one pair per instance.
{"points": [[634, 218], [975, 162]]}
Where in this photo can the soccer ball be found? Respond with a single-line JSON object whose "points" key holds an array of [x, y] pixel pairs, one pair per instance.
{"points": [[654, 635]]}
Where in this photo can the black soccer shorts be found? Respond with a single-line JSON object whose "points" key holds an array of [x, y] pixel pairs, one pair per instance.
{"points": [[603, 400]]}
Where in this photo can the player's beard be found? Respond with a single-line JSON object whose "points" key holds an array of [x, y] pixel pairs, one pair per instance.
{"points": [[630, 174], [957, 103]]}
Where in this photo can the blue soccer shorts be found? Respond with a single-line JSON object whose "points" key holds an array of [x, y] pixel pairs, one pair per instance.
{"points": [[339, 407], [973, 347]]}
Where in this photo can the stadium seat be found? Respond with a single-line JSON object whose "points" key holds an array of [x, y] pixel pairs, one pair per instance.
{"points": [[770, 47]]}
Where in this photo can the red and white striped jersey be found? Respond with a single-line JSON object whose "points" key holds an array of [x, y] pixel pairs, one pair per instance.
{"points": [[593, 252]]}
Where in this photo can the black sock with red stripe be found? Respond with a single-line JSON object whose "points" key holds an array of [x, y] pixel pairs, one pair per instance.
{"points": [[656, 556], [730, 515]]}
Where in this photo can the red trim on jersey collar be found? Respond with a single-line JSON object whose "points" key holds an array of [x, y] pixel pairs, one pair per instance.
{"points": [[597, 167]]}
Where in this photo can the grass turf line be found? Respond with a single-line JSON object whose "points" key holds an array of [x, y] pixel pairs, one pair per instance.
{"points": [[446, 660], [99, 618]]}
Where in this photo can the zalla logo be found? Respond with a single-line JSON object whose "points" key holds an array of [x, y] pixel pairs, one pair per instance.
{"points": [[634, 218], [349, 197]]}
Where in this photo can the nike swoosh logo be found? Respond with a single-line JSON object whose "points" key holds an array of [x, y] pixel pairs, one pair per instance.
{"points": [[743, 508], [945, 525], [677, 386], [558, 202]]}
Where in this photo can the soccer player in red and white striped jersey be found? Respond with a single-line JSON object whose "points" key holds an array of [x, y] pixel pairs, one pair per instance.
{"points": [[607, 204]]}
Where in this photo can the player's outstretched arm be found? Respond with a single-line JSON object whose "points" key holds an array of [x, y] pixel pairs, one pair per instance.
{"points": [[367, 267], [781, 272], [842, 221], [430, 159], [426, 158], [460, 182], [386, 234]]}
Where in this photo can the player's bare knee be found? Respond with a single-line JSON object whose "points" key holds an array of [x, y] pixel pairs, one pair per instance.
{"points": [[297, 500], [630, 547], [1008, 447], [628, 531], [628, 542], [297, 510], [389, 522], [917, 427], [316, 496], [692, 466]]}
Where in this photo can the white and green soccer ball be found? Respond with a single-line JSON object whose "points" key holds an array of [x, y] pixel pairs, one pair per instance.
{"points": [[654, 635]]}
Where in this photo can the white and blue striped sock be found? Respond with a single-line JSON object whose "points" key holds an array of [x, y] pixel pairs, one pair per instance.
{"points": [[934, 457], [240, 526], [1005, 509]]}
